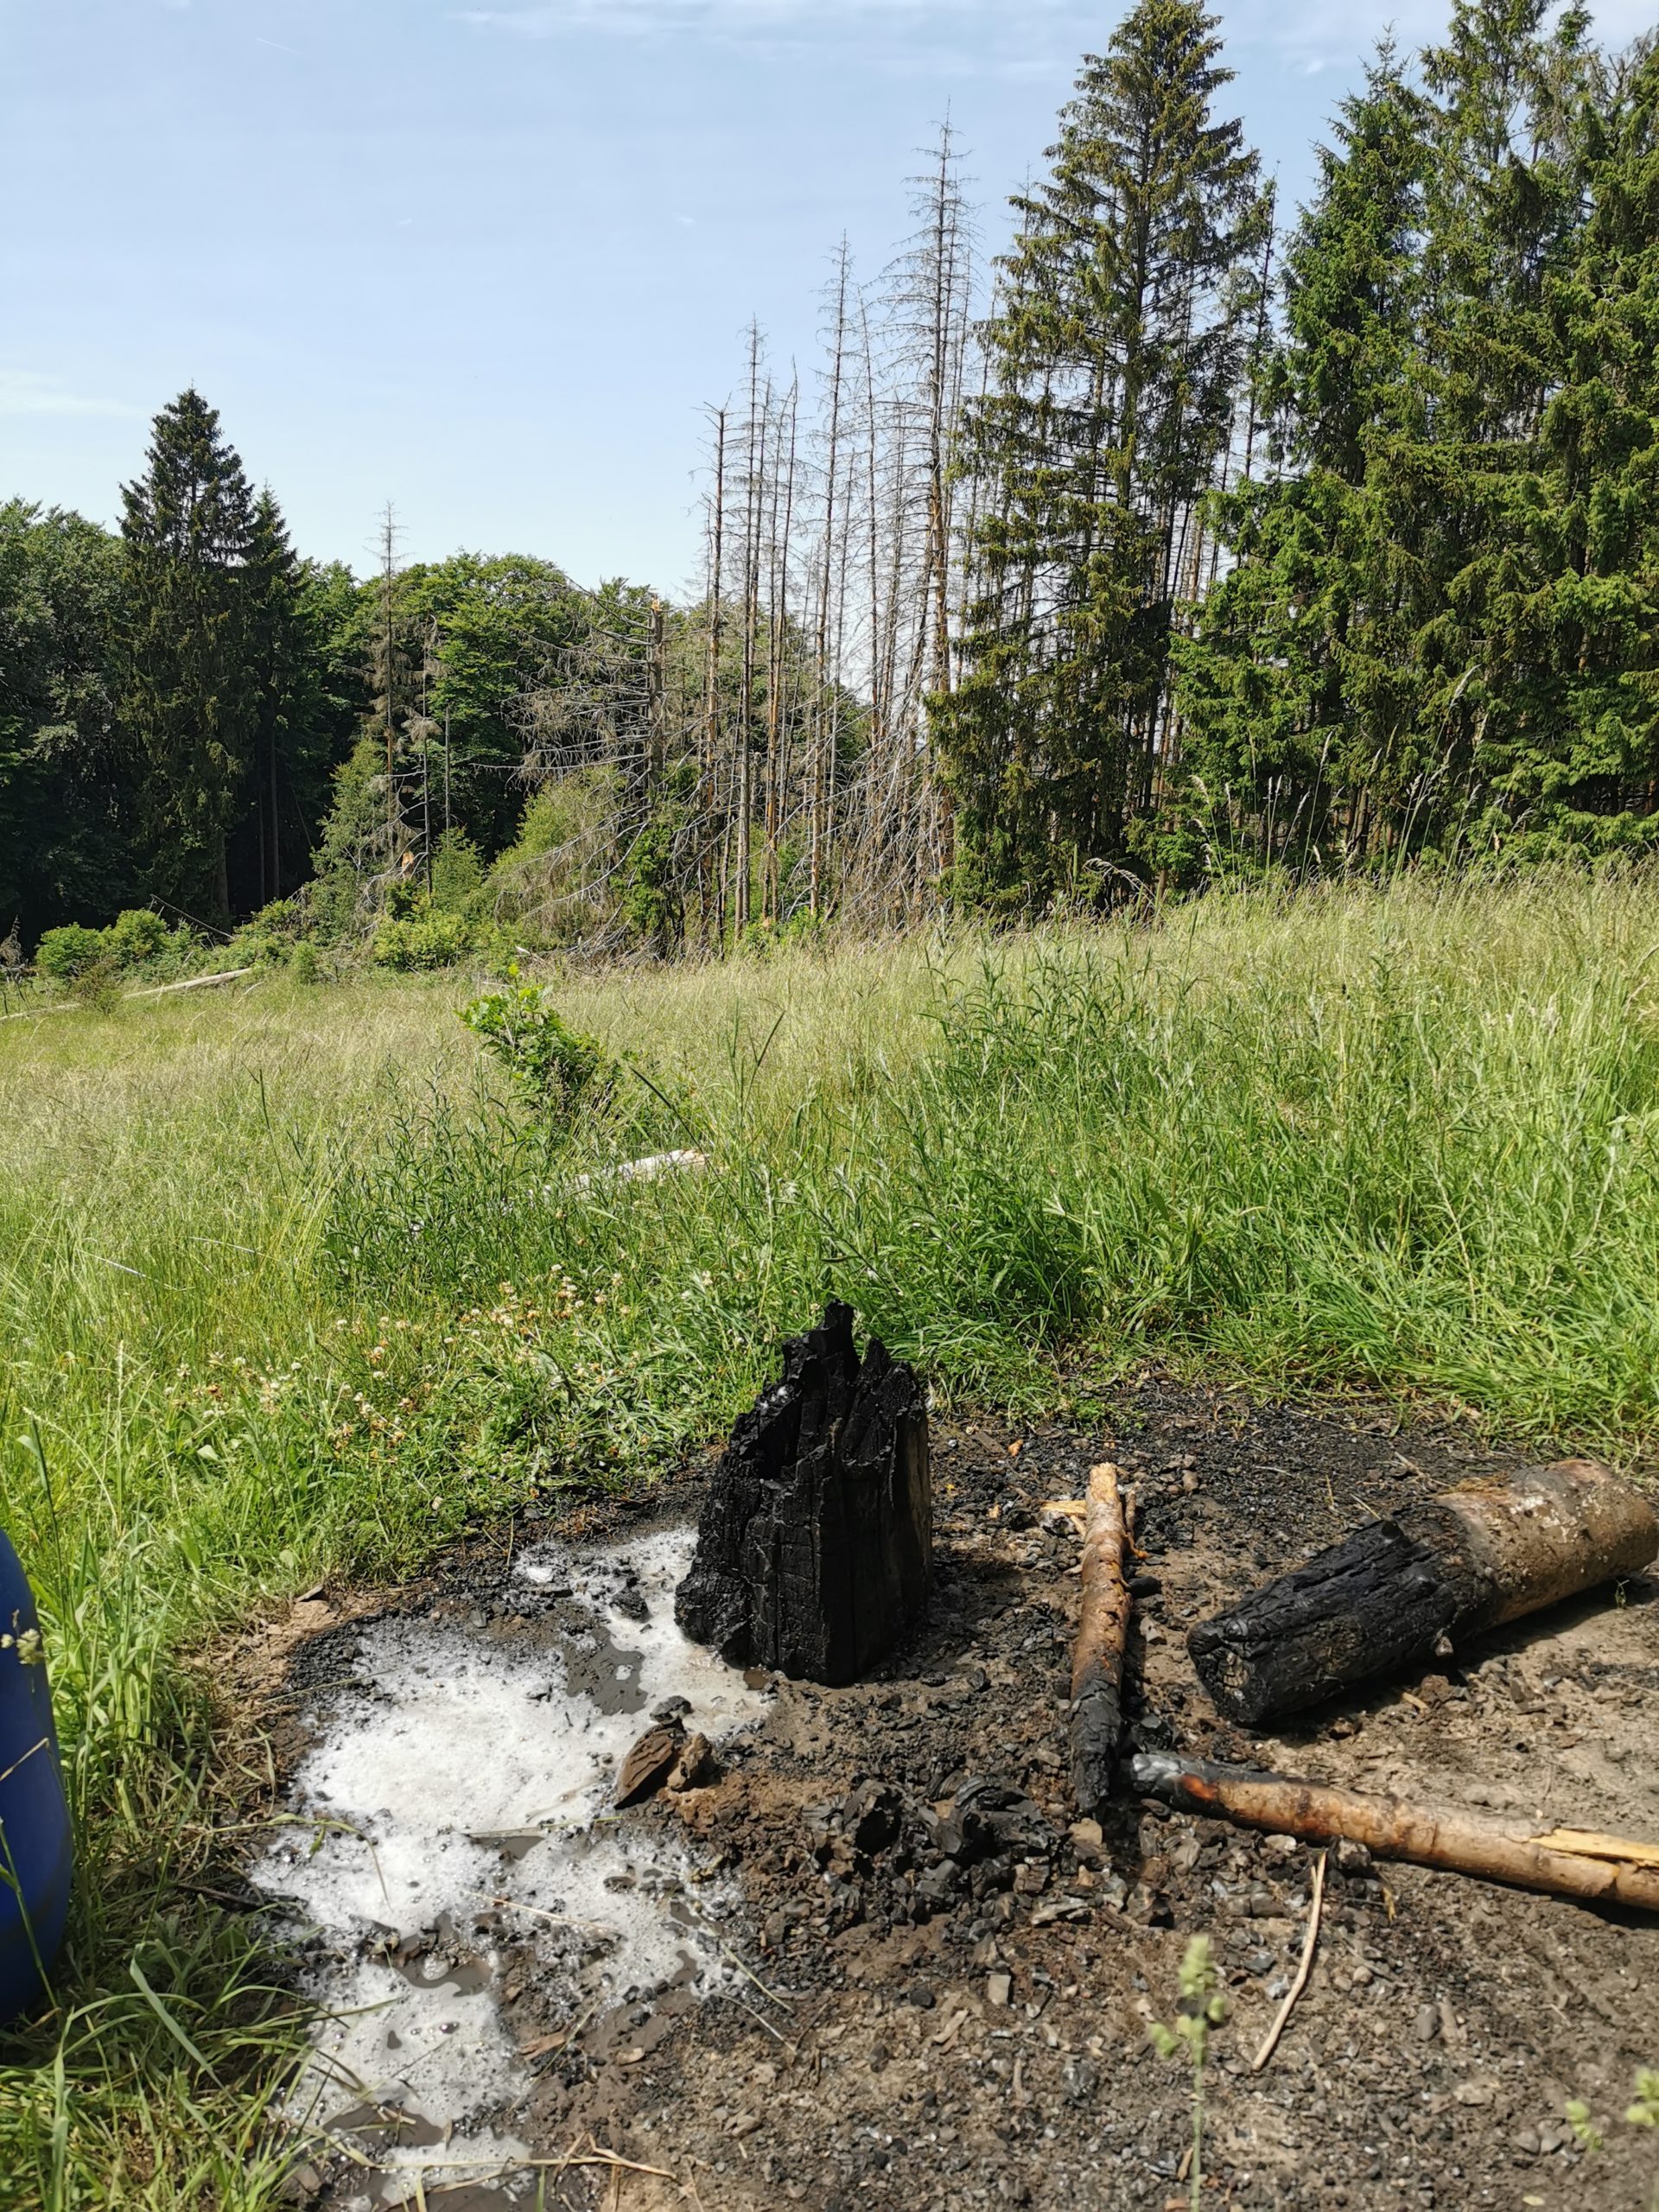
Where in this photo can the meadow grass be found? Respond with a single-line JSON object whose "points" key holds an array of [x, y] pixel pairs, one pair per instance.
{"points": [[290, 1286]]}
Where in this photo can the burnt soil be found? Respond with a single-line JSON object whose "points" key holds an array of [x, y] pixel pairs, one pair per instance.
{"points": [[952, 1982]]}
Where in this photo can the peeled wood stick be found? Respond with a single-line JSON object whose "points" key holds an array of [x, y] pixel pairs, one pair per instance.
{"points": [[1270, 2041], [1392, 1827], [1097, 1714]]}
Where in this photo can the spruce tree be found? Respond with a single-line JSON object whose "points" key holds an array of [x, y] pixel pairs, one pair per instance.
{"points": [[1504, 206], [1115, 356], [1573, 617], [1296, 691], [188, 706], [284, 685]]}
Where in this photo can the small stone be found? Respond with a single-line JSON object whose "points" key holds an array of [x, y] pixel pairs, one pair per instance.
{"points": [[647, 1765], [1031, 1879], [692, 1765], [1352, 1857], [671, 1709], [1081, 2077], [921, 1996], [1427, 2025], [999, 1988], [1148, 1906], [1086, 1834]]}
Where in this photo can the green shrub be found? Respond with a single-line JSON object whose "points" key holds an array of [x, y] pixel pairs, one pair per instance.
{"points": [[421, 941], [552, 1065], [255, 947], [63, 954], [306, 963], [137, 937], [457, 873]]}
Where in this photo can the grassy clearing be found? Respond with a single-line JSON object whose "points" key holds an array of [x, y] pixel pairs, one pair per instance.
{"points": [[289, 1285]]}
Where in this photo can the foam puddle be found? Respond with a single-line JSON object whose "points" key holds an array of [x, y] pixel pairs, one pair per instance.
{"points": [[457, 1805]]}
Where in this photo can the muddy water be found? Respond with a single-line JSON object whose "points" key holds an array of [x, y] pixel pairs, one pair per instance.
{"points": [[457, 1797]]}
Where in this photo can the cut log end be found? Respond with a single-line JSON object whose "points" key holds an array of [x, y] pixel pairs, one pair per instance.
{"points": [[1384, 1597]]}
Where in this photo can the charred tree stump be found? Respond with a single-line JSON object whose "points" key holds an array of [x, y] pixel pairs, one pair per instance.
{"points": [[815, 1548], [1385, 1596]]}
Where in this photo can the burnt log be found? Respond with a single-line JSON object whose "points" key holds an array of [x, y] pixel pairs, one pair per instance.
{"points": [[1386, 1597], [815, 1546]]}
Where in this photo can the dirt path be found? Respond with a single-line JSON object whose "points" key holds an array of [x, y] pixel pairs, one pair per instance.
{"points": [[945, 1986]]}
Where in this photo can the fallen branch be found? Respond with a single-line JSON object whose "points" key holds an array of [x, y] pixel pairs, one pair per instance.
{"points": [[1096, 1711], [1389, 1595], [190, 983], [150, 991], [1270, 2041], [1392, 1827]]}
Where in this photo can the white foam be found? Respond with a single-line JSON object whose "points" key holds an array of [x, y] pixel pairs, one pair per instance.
{"points": [[464, 1737]]}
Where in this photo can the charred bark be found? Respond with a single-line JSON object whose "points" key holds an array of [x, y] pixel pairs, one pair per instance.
{"points": [[1384, 1597], [815, 1548]]}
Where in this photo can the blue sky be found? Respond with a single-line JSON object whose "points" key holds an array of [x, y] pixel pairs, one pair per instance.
{"points": [[489, 261]]}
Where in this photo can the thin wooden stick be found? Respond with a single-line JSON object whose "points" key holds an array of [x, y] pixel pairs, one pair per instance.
{"points": [[1097, 1712], [1269, 2042], [1394, 1828]]}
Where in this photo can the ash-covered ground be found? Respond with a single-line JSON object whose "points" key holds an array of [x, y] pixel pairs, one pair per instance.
{"points": [[871, 1955]]}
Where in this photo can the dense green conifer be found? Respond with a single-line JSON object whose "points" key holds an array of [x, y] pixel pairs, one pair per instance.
{"points": [[1573, 649], [1115, 352], [1297, 693], [188, 526]]}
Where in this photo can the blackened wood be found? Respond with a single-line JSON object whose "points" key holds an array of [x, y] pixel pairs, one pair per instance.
{"points": [[815, 1547], [1378, 1600], [1395, 1828], [1383, 1599]]}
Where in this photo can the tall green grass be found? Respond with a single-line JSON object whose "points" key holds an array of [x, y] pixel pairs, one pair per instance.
{"points": [[289, 1284]]}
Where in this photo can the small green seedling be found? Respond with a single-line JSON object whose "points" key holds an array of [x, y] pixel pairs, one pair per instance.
{"points": [[1645, 2113], [1202, 2007]]}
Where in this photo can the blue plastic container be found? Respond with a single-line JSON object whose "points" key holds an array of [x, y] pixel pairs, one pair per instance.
{"points": [[35, 1854]]}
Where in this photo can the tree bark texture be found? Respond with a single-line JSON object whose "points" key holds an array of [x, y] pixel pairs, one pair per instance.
{"points": [[1096, 1711], [1383, 1599], [815, 1548], [1619, 1873]]}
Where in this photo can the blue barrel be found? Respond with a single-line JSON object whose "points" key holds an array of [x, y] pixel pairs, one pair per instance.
{"points": [[34, 1841]]}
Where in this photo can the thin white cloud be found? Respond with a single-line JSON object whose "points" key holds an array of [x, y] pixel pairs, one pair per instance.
{"points": [[649, 18], [24, 393], [935, 39], [1311, 38]]}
